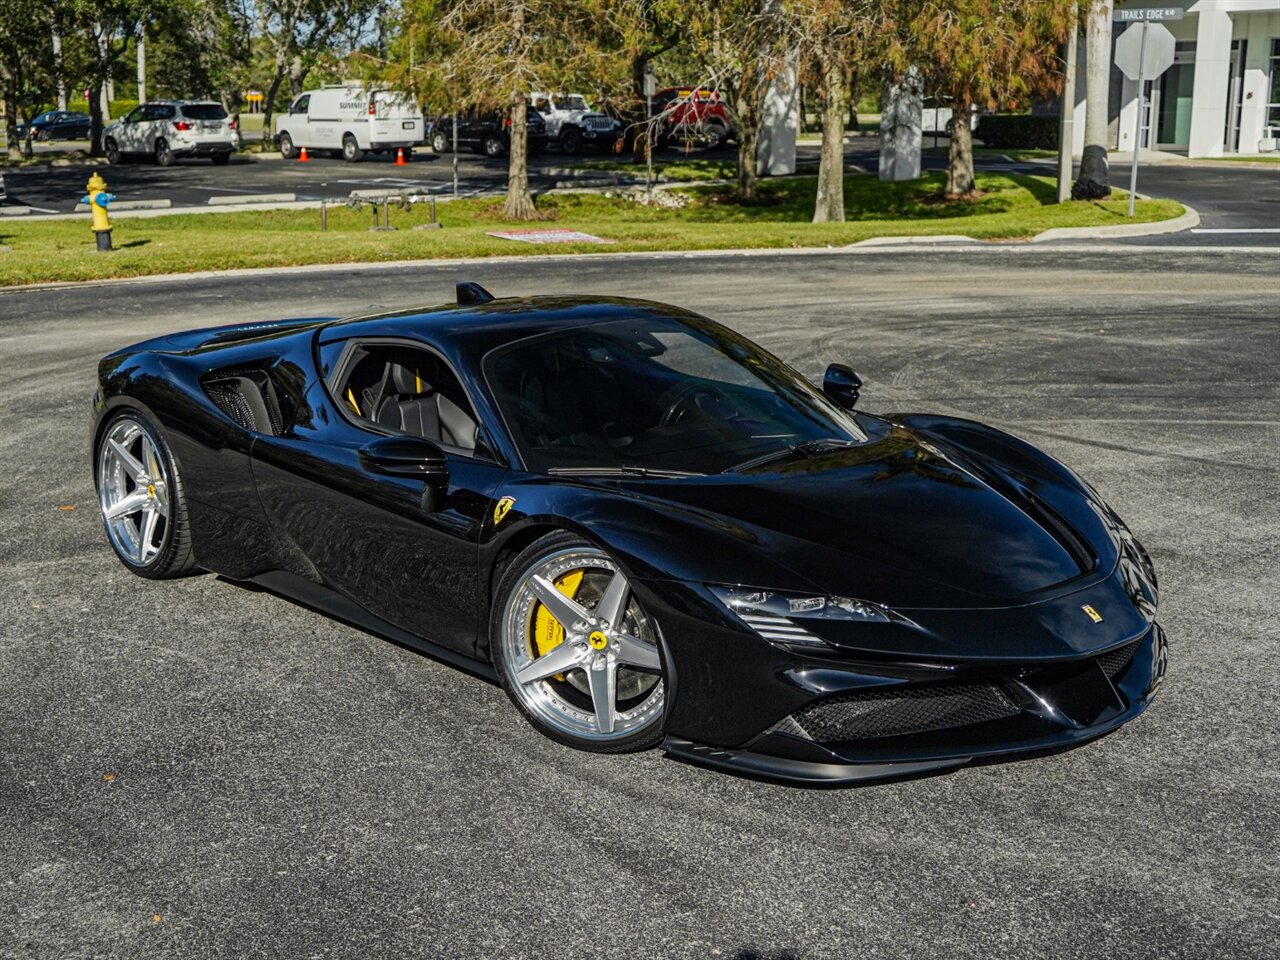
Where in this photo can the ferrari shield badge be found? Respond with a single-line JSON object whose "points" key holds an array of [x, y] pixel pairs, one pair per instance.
{"points": [[506, 503], [1093, 614]]}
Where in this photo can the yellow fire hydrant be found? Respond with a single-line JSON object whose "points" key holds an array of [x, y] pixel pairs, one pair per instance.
{"points": [[97, 198]]}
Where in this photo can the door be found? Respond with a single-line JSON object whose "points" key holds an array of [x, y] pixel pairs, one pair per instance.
{"points": [[1173, 90], [129, 135], [406, 557]]}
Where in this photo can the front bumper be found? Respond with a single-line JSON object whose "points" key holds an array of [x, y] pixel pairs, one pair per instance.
{"points": [[845, 719]]}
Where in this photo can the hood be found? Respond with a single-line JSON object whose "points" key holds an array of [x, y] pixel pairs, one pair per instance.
{"points": [[897, 521]]}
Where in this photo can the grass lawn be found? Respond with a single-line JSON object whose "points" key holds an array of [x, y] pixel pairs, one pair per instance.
{"points": [[1014, 206], [1029, 153]]}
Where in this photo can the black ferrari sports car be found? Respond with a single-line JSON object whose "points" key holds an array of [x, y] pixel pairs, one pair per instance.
{"points": [[645, 527]]}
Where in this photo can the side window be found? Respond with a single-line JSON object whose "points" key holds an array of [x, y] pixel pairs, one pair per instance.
{"points": [[407, 390], [160, 111], [300, 105], [136, 114]]}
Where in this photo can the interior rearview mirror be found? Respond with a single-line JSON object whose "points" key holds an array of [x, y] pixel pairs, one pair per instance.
{"points": [[842, 385]]}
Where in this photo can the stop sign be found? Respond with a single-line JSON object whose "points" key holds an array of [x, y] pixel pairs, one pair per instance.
{"points": [[1156, 54]]}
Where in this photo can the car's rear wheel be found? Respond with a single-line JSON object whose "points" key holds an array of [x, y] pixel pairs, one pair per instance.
{"points": [[164, 154], [112, 150], [575, 650], [351, 151], [141, 498], [492, 145]]}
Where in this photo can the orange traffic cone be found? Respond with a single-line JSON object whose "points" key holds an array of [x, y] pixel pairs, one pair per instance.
{"points": [[400, 160], [302, 157]]}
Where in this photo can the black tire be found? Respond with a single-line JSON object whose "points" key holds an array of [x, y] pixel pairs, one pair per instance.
{"points": [[164, 153], [571, 141], [440, 142], [220, 159], [951, 127], [492, 145], [351, 151], [715, 135], [112, 150], [287, 149], [512, 574], [176, 556]]}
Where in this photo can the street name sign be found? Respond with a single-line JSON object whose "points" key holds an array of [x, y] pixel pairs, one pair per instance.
{"points": [[1146, 14]]}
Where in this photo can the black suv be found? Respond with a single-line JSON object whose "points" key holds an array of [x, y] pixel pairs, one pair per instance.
{"points": [[486, 131]]}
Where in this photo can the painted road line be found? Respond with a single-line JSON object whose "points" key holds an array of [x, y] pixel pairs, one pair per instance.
{"points": [[1237, 230]]}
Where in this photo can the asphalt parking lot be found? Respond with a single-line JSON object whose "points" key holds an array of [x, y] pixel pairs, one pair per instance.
{"points": [[194, 769]]}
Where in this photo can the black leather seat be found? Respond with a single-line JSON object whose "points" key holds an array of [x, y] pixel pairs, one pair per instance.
{"points": [[412, 404]]}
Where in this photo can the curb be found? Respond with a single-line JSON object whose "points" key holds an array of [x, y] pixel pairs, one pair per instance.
{"points": [[1190, 218], [895, 241]]}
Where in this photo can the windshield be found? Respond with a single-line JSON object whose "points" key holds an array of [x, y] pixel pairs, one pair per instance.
{"points": [[203, 111], [658, 394]]}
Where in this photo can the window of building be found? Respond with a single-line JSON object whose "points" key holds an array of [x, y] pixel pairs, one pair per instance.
{"points": [[1273, 92]]}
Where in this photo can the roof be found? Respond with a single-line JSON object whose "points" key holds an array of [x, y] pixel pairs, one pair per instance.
{"points": [[475, 330]]}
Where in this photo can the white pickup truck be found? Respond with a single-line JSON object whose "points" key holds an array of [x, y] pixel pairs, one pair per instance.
{"points": [[574, 125]]}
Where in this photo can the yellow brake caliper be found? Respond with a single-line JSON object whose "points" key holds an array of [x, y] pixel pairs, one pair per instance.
{"points": [[548, 633]]}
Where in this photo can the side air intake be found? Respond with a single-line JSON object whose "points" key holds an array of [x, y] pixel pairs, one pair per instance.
{"points": [[248, 397]]}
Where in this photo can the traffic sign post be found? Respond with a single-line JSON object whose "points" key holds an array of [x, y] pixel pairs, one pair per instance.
{"points": [[1143, 53]]}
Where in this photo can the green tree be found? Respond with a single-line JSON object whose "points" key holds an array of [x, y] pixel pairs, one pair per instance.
{"points": [[985, 53], [26, 66]]}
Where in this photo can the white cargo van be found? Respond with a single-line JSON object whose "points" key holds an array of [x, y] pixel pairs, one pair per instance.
{"points": [[352, 118]]}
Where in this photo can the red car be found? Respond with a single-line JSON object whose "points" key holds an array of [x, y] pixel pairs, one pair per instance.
{"points": [[691, 113]]}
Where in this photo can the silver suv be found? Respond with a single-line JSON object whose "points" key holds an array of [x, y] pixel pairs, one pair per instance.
{"points": [[168, 129]]}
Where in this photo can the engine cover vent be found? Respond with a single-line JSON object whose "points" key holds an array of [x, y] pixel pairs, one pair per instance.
{"points": [[249, 397]]}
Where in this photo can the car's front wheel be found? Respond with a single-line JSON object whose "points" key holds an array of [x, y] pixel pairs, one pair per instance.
{"points": [[575, 650], [112, 150], [440, 142], [141, 498], [492, 145]]}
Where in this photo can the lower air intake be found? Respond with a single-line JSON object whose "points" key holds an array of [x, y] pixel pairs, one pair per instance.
{"points": [[889, 713], [1113, 662]]}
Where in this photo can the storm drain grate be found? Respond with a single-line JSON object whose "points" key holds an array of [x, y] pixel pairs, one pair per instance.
{"points": [[888, 713]]}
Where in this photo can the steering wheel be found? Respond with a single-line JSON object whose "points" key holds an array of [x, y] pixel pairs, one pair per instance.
{"points": [[694, 398]]}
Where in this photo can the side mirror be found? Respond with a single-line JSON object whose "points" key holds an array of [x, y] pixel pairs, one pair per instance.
{"points": [[410, 457], [842, 385], [406, 457]]}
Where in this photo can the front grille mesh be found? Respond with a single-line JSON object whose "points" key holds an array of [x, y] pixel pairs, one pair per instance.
{"points": [[888, 713], [1114, 661]]}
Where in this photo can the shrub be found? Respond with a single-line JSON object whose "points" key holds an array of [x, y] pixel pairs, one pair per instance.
{"points": [[1018, 131]]}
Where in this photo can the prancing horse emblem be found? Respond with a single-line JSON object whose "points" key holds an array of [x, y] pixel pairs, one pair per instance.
{"points": [[501, 507], [1094, 615]]}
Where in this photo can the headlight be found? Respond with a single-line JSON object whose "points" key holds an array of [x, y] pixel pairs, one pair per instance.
{"points": [[780, 617]]}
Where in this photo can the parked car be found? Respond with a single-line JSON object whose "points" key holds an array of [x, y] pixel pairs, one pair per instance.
{"points": [[937, 117], [60, 125], [648, 529], [486, 131], [573, 124], [351, 118], [171, 129], [693, 114], [3, 195]]}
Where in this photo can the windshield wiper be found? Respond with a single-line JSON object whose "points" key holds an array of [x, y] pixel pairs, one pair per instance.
{"points": [[806, 448], [624, 470]]}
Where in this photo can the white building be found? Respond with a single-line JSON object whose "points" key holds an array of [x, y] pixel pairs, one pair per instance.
{"points": [[1222, 94]]}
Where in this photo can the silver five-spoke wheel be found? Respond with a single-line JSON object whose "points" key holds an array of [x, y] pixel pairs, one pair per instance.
{"points": [[133, 491], [578, 653]]}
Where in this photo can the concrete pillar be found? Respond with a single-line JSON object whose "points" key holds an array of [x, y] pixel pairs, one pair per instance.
{"points": [[902, 114], [1253, 113], [142, 69], [1213, 67], [1077, 129], [776, 148]]}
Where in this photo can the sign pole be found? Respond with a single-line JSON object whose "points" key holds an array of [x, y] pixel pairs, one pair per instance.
{"points": [[1137, 123]]}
